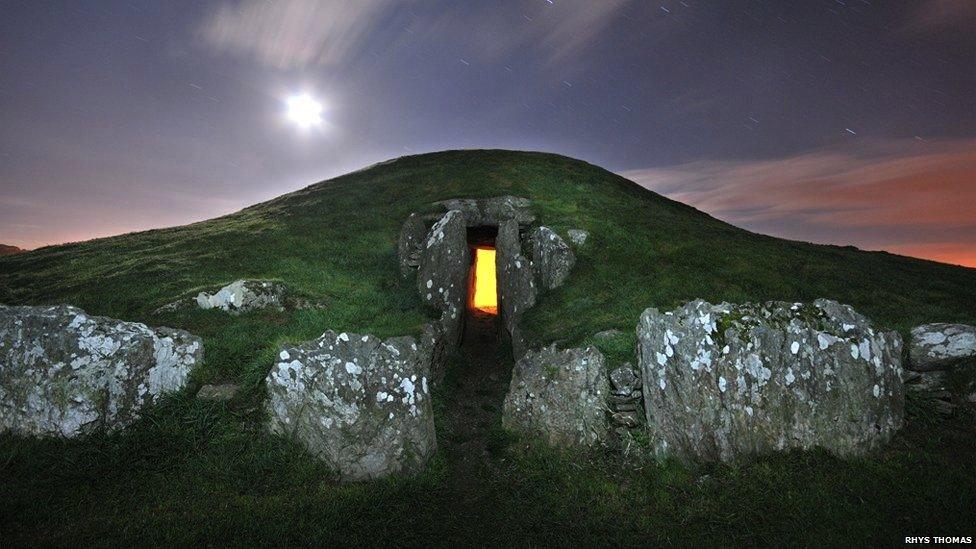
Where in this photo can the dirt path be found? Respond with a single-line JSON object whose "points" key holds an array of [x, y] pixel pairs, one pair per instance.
{"points": [[479, 383]]}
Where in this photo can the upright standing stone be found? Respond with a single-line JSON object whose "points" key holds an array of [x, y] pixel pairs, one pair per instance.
{"points": [[359, 403], [410, 243], [552, 258], [559, 396], [443, 276], [725, 381], [516, 287]]}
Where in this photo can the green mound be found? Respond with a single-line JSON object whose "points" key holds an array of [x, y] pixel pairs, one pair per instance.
{"points": [[195, 472], [334, 242]]}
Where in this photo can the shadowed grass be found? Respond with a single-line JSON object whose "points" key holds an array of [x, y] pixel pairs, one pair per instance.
{"points": [[194, 472]]}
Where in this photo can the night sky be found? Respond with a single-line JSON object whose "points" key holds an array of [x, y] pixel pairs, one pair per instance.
{"points": [[848, 122]]}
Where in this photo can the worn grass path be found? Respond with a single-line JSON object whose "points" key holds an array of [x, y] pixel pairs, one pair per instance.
{"points": [[474, 404]]}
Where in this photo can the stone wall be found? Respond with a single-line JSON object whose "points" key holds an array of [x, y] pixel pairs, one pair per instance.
{"points": [[552, 259], [626, 400]]}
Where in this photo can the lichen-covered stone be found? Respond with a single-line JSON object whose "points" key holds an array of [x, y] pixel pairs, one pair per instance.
{"points": [[941, 346], [492, 211], [434, 349], [443, 274], [725, 381], [65, 373], [559, 396], [552, 259], [577, 236], [410, 243], [360, 404], [624, 379], [244, 295], [241, 296], [628, 418], [219, 393], [516, 286], [935, 382]]}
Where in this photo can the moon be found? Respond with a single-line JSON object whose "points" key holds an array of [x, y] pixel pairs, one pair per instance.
{"points": [[304, 111]]}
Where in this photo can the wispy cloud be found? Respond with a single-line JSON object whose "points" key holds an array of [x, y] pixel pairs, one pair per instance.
{"points": [[290, 34], [558, 32], [911, 198], [293, 33], [939, 16]]}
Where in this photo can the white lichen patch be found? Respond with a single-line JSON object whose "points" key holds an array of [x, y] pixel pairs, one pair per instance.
{"points": [[826, 340]]}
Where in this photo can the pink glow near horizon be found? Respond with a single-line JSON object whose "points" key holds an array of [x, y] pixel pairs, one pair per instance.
{"points": [[909, 199]]}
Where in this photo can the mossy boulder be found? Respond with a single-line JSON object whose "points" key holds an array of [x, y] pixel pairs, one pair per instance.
{"points": [[65, 373], [725, 381], [359, 403], [941, 346], [559, 396]]}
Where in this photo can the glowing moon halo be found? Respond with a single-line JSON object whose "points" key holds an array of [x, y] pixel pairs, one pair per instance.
{"points": [[304, 110]]}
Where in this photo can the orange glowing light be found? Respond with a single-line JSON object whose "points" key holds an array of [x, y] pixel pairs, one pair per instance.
{"points": [[485, 295]]}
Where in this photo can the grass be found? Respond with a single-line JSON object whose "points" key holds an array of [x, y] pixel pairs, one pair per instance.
{"points": [[193, 472], [200, 473]]}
